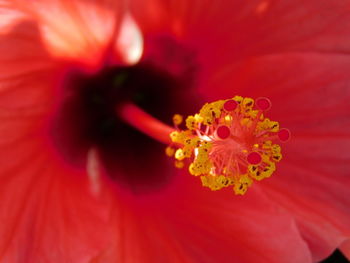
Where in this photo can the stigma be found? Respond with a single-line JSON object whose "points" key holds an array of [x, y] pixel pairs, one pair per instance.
{"points": [[228, 143]]}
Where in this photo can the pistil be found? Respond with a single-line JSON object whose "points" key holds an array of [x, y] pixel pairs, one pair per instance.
{"points": [[229, 142], [144, 122]]}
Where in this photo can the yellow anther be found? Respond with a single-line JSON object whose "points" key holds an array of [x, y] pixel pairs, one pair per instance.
{"points": [[248, 103], [198, 118], [276, 148], [254, 171], [264, 170], [187, 151], [179, 137], [169, 151], [268, 170], [242, 184], [267, 144], [267, 124], [174, 136], [195, 169], [216, 182], [277, 157], [192, 169], [205, 145], [191, 123], [228, 119], [177, 119], [246, 122], [274, 126], [201, 157], [203, 150], [179, 164], [251, 113], [224, 181], [179, 154], [207, 181], [187, 141], [192, 142], [199, 167], [239, 99], [195, 142], [211, 111], [259, 173]]}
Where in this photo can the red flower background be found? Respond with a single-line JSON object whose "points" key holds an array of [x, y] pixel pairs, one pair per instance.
{"points": [[294, 52]]}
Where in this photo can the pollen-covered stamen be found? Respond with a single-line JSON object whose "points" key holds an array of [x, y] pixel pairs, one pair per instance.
{"points": [[229, 142]]}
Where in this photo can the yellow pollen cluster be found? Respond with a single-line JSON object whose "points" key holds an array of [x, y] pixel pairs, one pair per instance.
{"points": [[229, 142]]}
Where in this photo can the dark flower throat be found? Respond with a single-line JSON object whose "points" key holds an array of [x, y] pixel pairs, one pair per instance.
{"points": [[87, 118]]}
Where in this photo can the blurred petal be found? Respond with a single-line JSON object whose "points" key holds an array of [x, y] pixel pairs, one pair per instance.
{"points": [[309, 91], [47, 209], [25, 78], [78, 29], [222, 33], [250, 28], [130, 41], [9, 16], [44, 204]]}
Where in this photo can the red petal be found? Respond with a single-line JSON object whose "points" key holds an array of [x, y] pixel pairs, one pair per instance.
{"points": [[249, 28], [319, 202], [44, 205], [309, 92], [315, 176], [188, 223], [25, 77], [47, 209], [222, 33]]}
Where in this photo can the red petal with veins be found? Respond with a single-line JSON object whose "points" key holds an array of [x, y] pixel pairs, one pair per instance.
{"points": [[223, 33], [47, 209], [186, 223]]}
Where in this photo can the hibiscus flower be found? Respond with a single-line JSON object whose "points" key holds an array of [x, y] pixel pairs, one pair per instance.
{"points": [[83, 176]]}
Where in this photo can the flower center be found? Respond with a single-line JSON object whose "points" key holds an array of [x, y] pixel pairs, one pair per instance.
{"points": [[229, 142], [94, 114]]}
